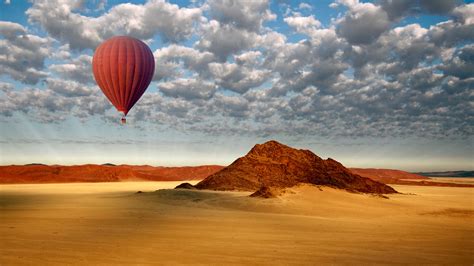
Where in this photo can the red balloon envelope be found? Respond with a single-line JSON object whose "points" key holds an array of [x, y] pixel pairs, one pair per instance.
{"points": [[123, 68]]}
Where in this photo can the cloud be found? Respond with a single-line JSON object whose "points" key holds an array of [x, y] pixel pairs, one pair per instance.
{"points": [[171, 58], [62, 21], [189, 89], [305, 6], [450, 33], [232, 106], [237, 78], [11, 30], [363, 23], [42, 103], [79, 69], [228, 71], [224, 40], [249, 57], [397, 9], [439, 6], [4, 86], [400, 8], [465, 14], [57, 102], [306, 25], [68, 88], [248, 15], [289, 59], [22, 55], [461, 65]]}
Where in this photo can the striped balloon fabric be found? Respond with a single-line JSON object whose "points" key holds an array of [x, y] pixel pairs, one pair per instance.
{"points": [[123, 68]]}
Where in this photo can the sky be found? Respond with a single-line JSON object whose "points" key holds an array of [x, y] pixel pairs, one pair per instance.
{"points": [[385, 84]]}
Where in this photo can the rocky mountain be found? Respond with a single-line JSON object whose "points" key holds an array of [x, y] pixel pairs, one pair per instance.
{"points": [[275, 165]]}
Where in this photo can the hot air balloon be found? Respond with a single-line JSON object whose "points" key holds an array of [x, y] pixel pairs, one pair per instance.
{"points": [[123, 68]]}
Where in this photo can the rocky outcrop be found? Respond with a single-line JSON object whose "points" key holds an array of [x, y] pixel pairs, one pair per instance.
{"points": [[185, 186], [275, 165]]}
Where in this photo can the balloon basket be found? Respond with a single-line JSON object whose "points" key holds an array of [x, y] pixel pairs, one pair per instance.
{"points": [[123, 120]]}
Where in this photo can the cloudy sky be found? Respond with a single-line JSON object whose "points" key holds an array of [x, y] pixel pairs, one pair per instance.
{"points": [[384, 83]]}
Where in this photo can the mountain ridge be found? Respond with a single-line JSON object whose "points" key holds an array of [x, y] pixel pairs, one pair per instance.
{"points": [[458, 173], [276, 165], [387, 176], [40, 173]]}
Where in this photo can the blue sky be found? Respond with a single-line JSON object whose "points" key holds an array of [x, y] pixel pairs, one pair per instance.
{"points": [[383, 84]]}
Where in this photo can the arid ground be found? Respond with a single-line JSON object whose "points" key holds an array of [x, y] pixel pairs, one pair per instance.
{"points": [[104, 223]]}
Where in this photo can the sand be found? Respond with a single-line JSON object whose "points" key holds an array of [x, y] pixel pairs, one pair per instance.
{"points": [[108, 223], [456, 180]]}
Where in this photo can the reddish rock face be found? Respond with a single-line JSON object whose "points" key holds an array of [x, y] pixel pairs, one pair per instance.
{"points": [[273, 164]]}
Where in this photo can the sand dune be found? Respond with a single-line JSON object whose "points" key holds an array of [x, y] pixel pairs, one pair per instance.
{"points": [[386, 176], [39, 173], [105, 223], [456, 180], [390, 176]]}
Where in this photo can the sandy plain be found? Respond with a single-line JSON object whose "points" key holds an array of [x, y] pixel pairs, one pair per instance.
{"points": [[457, 180], [109, 223]]}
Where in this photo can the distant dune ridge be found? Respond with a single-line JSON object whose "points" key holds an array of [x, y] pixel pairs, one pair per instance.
{"points": [[390, 176], [386, 176], [275, 165], [39, 173], [449, 174], [271, 163]]}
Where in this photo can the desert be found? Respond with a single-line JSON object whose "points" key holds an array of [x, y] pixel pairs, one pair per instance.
{"points": [[110, 223], [41, 173], [236, 132], [274, 205]]}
